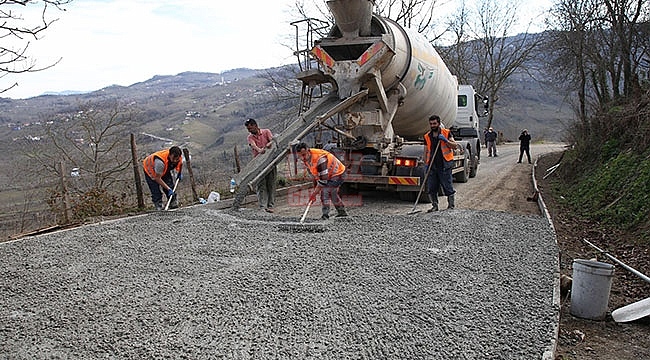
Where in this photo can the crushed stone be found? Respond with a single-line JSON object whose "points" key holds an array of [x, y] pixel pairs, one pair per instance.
{"points": [[201, 283]]}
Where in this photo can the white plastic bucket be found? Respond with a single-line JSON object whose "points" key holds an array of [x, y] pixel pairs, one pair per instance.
{"points": [[592, 281]]}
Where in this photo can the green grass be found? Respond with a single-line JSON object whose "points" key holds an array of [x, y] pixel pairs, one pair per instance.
{"points": [[615, 194]]}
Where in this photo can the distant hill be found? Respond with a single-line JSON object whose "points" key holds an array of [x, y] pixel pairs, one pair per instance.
{"points": [[205, 111], [64, 93]]}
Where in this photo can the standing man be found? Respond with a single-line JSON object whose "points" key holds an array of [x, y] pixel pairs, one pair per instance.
{"points": [[524, 145], [259, 140], [157, 172], [491, 141], [439, 156], [328, 172]]}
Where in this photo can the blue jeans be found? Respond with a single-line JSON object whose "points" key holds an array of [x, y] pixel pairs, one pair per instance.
{"points": [[156, 194], [440, 177]]}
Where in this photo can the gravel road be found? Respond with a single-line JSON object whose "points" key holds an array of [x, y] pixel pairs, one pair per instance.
{"points": [[204, 283]]}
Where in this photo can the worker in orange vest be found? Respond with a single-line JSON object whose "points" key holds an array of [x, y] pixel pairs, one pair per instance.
{"points": [[328, 171], [439, 144], [157, 173]]}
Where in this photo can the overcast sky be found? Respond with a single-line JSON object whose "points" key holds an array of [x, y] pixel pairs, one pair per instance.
{"points": [[106, 42]]}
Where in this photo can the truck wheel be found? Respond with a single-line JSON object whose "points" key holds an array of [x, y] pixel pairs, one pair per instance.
{"points": [[474, 167], [410, 196], [463, 176]]}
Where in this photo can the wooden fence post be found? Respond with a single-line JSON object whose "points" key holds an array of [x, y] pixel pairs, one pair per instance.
{"points": [[237, 164], [136, 173], [64, 193], [189, 170]]}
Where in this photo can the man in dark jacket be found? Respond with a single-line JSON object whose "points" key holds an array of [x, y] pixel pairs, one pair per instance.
{"points": [[491, 141], [524, 145]]}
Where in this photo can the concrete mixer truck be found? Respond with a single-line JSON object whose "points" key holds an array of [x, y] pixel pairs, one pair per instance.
{"points": [[384, 82]]}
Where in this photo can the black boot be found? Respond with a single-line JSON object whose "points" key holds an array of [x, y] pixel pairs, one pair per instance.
{"points": [[434, 203], [341, 211], [451, 201]]}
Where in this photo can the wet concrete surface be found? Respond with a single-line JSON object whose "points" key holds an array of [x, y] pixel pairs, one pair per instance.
{"points": [[208, 283]]}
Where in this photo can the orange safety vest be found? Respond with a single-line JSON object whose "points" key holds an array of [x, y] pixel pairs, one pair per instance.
{"points": [[334, 166], [148, 163], [447, 152]]}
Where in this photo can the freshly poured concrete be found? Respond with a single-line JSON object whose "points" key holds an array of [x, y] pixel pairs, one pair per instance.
{"points": [[202, 283]]}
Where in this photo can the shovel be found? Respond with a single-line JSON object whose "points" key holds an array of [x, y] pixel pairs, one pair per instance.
{"points": [[633, 311]]}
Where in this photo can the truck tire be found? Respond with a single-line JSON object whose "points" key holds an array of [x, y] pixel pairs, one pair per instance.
{"points": [[408, 195], [474, 166], [463, 176]]}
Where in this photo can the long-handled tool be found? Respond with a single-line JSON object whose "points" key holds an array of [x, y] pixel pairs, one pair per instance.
{"points": [[635, 310], [170, 198], [301, 226], [424, 182], [629, 268], [304, 215]]}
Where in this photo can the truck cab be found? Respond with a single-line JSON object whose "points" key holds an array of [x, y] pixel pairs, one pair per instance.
{"points": [[466, 129], [471, 106]]}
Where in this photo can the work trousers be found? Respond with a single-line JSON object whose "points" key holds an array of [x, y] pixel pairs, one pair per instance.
{"points": [[156, 193], [266, 189], [440, 177], [330, 194], [523, 149], [492, 148]]}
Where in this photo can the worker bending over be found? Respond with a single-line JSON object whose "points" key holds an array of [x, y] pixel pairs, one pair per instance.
{"points": [[329, 173], [157, 172]]}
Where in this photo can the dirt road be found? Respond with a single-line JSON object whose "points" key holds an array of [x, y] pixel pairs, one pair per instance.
{"points": [[500, 184]]}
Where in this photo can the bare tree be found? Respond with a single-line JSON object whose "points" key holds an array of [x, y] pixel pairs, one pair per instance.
{"points": [[571, 40], [486, 51], [459, 58], [94, 144], [94, 141], [501, 53], [419, 15], [624, 18], [17, 32], [599, 47]]}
